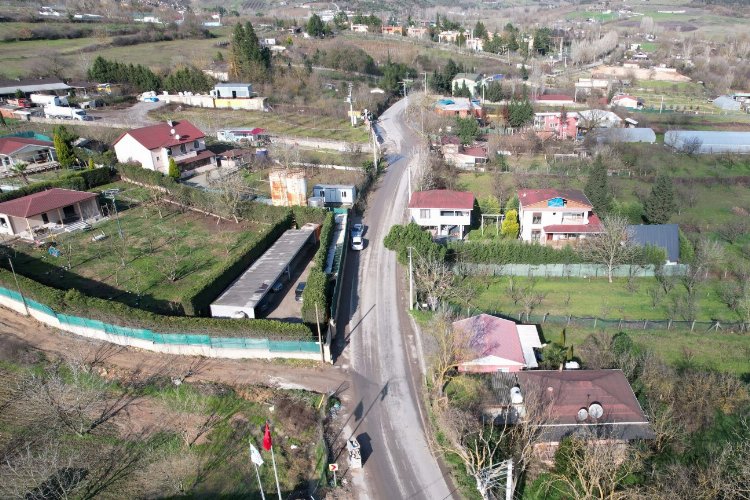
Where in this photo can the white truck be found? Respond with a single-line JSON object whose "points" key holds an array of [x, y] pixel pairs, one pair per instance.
{"points": [[45, 100], [66, 113]]}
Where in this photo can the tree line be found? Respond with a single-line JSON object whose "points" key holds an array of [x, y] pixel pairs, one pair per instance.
{"points": [[143, 79]]}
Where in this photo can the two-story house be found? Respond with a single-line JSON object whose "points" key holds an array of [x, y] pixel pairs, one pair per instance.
{"points": [[554, 124], [443, 212], [153, 146], [554, 216]]}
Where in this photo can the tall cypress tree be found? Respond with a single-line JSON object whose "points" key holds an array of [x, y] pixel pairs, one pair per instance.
{"points": [[247, 59], [660, 204], [63, 151], [597, 188]]}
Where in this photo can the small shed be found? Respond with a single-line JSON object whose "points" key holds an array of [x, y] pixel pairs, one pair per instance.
{"points": [[665, 236], [336, 194], [233, 91]]}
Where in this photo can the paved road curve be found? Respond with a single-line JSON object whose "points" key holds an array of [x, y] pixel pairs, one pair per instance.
{"points": [[382, 347]]}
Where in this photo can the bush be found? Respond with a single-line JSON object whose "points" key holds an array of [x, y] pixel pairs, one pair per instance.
{"points": [[400, 238], [75, 303], [513, 252], [79, 181], [318, 288]]}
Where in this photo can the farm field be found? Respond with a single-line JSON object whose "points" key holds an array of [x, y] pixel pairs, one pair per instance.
{"points": [[277, 122], [153, 438], [151, 267]]}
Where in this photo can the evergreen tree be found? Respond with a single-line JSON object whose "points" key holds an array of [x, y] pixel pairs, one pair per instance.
{"points": [[63, 150], [190, 79], [660, 205], [597, 188], [510, 225], [519, 113], [467, 129], [494, 92], [91, 165], [247, 60], [315, 26], [174, 171], [462, 91], [480, 31]]}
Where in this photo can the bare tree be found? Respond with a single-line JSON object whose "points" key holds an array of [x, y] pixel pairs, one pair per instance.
{"points": [[434, 280], [42, 472], [691, 146], [451, 347], [613, 246], [230, 190]]}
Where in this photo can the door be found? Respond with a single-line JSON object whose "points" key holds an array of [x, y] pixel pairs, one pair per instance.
{"points": [[69, 212], [234, 94], [45, 219]]}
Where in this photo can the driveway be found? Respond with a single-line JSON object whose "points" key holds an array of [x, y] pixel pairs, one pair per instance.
{"points": [[132, 117], [383, 351]]}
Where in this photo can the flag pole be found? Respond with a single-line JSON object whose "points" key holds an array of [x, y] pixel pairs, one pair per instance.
{"points": [[260, 486], [275, 474]]}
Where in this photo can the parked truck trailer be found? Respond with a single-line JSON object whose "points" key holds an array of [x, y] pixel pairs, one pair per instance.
{"points": [[45, 100], [66, 113]]}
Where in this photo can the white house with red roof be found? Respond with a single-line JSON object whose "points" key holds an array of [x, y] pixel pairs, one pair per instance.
{"points": [[626, 101], [54, 208], [15, 150], [153, 146], [555, 215], [442, 211], [497, 344]]}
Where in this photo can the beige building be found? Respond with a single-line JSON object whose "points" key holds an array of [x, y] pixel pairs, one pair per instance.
{"points": [[39, 213]]}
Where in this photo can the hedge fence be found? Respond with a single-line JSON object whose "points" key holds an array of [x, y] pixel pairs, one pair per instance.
{"points": [[74, 302], [318, 288], [80, 180]]}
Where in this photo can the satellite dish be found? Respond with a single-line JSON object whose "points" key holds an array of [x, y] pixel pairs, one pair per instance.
{"points": [[515, 396], [596, 410], [172, 132], [582, 415]]}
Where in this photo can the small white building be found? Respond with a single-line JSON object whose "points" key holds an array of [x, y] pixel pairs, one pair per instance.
{"points": [[442, 211], [552, 215], [626, 101], [233, 91], [471, 80], [359, 28], [336, 194], [153, 146]]}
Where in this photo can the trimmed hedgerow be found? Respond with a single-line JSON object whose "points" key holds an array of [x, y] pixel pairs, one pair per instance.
{"points": [[318, 288], [79, 181], [73, 302]]}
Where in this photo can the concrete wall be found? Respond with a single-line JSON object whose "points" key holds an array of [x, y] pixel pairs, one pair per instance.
{"points": [[207, 101], [180, 349]]}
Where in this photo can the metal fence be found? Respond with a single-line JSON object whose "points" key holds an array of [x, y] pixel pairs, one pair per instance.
{"points": [[186, 339], [565, 270], [616, 324]]}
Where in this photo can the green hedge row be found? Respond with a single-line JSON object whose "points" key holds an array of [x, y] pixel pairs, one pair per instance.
{"points": [[74, 302], [198, 298], [519, 252], [79, 181], [318, 288]]}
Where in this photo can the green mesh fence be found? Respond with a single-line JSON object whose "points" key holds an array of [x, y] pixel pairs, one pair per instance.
{"points": [[565, 270], [188, 339]]}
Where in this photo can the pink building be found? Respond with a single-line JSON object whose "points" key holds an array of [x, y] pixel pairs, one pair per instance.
{"points": [[498, 344], [552, 124]]}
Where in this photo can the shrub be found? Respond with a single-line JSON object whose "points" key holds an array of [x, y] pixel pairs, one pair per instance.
{"points": [[318, 288], [79, 181], [400, 238], [75, 303], [513, 252]]}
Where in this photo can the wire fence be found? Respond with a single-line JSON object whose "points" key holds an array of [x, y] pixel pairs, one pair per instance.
{"points": [[186, 339], [565, 270], [615, 324]]}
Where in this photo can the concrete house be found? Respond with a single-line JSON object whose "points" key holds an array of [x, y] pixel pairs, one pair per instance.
{"points": [[32, 152], [417, 32], [552, 124], [441, 211], [53, 209], [459, 106], [335, 194], [393, 30], [153, 146], [497, 344], [555, 217], [472, 81], [232, 91], [626, 101]]}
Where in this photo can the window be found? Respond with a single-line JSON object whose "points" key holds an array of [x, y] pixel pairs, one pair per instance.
{"points": [[196, 144], [183, 149], [424, 213], [3, 222], [536, 218], [343, 194], [169, 151], [536, 235]]}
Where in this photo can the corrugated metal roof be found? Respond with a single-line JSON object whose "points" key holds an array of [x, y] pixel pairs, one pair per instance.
{"points": [[709, 141], [666, 236]]}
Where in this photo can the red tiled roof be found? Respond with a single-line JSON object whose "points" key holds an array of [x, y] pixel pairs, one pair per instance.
{"points": [[43, 201], [476, 151], [554, 97], [576, 389], [624, 96], [492, 336], [450, 139], [200, 156], [531, 196], [594, 226], [9, 145], [159, 136], [442, 198]]}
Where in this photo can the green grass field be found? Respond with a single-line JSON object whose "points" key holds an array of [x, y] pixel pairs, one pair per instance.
{"points": [[303, 125], [163, 257]]}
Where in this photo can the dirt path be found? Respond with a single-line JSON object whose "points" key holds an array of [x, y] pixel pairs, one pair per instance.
{"points": [[22, 336]]}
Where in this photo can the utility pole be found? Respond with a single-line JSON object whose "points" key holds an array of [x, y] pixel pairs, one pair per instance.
{"points": [[18, 287], [411, 282], [661, 106], [425, 82], [352, 119]]}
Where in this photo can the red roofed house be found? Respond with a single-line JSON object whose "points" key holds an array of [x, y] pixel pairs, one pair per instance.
{"points": [[14, 150], [498, 344], [443, 212], [626, 101], [52, 209], [552, 215], [153, 146]]}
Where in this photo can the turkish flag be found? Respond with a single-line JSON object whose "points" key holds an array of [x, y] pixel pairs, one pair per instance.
{"points": [[267, 439]]}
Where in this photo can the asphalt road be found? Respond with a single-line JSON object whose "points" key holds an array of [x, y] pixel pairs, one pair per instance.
{"points": [[381, 349]]}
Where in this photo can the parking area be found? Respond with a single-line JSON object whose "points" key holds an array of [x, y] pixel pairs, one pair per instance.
{"points": [[283, 305]]}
